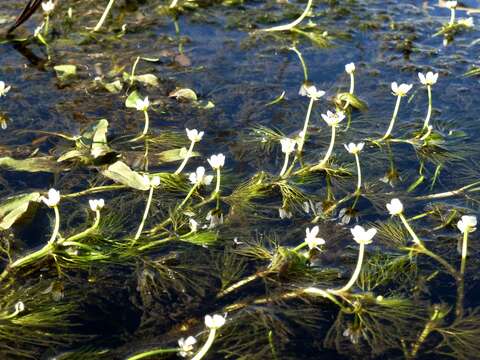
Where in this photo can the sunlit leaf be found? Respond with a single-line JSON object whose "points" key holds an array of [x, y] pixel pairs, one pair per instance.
{"points": [[184, 94], [65, 71], [15, 207], [121, 173], [132, 100], [147, 79], [174, 155], [35, 164]]}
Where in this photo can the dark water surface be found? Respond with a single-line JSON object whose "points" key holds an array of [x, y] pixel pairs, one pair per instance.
{"points": [[130, 303]]}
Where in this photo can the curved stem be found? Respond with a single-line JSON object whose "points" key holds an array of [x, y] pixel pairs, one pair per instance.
{"points": [[452, 16], [84, 233], [56, 227], [208, 344], [414, 236], [359, 173], [305, 126], [293, 23], [285, 164], [47, 23], [185, 159], [302, 61], [134, 68], [145, 214], [352, 83], [104, 16], [429, 112], [147, 123], [461, 281], [355, 274], [394, 116], [190, 193], [330, 147]]}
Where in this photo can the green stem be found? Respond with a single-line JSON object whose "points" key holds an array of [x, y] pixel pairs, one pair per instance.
{"points": [[359, 173], [414, 236], [134, 68], [330, 147], [304, 66], [426, 331], [84, 233], [429, 112], [151, 353], [452, 16], [145, 214], [185, 159], [285, 164], [355, 274], [394, 116], [305, 126], [56, 227], [190, 193], [461, 281], [293, 23], [147, 123], [352, 83], [300, 247], [217, 186], [208, 344], [104, 16], [47, 23]]}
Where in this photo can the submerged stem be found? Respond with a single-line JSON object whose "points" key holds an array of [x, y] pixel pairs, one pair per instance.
{"points": [[147, 123], [185, 159], [145, 214], [285, 164], [355, 274], [293, 23], [429, 112], [303, 135], [149, 353], [104, 16], [392, 121], [359, 173], [330, 147], [461, 280]]}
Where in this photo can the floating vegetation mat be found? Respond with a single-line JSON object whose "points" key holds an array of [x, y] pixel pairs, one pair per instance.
{"points": [[239, 180]]}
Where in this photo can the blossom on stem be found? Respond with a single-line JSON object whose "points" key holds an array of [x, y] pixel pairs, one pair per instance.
{"points": [[142, 105], [53, 198], [4, 89], [311, 238], [428, 79], [350, 68], [310, 91], [288, 145], [186, 346], [48, 7], [395, 207], [467, 223], [354, 148], [362, 236], [214, 322], [451, 4], [96, 204], [151, 182], [199, 178], [217, 161], [400, 90], [194, 135], [333, 119]]}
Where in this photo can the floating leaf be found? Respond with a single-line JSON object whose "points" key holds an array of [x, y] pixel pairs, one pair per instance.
{"points": [[132, 99], [99, 141], [184, 94], [36, 164], [15, 207], [65, 71], [114, 87], [352, 100], [72, 154], [174, 155], [121, 173], [147, 79]]}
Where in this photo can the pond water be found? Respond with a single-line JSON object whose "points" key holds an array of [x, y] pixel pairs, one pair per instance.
{"points": [[100, 292]]}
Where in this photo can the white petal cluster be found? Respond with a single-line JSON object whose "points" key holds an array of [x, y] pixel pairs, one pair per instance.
{"points": [[451, 4], [151, 182], [395, 207], [400, 90], [214, 322], [311, 238], [354, 148], [96, 204], [362, 236], [19, 307], [333, 119], [4, 89], [428, 79], [217, 161], [288, 145], [467, 223], [199, 177], [194, 135], [186, 346], [193, 225], [48, 7], [142, 105], [311, 91], [350, 68], [53, 198]]}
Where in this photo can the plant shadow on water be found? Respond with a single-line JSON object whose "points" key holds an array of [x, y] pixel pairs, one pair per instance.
{"points": [[290, 245]]}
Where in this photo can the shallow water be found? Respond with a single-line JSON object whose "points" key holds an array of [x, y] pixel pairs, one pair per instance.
{"points": [[154, 298]]}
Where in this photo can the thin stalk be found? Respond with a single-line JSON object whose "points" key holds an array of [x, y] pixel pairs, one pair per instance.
{"points": [[352, 83], [330, 147], [355, 274], [300, 247], [185, 159], [429, 112], [414, 236], [461, 281], [190, 193], [305, 126], [151, 353], [84, 233], [47, 23], [293, 23], [94, 190], [104, 16], [173, 4], [452, 16], [147, 123], [241, 283], [448, 193], [145, 214], [134, 68], [208, 344], [359, 173], [392, 121], [216, 192], [302, 61], [285, 164], [429, 327]]}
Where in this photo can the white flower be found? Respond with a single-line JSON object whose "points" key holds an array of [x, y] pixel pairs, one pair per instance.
{"points": [[193, 225], [429, 79], [350, 68], [19, 307], [332, 119], [194, 135], [354, 148], [467, 223], [214, 322], [217, 161], [96, 204], [4, 89], [395, 207], [311, 91], [401, 90], [311, 238], [151, 182], [48, 7], [142, 105], [362, 236], [215, 219], [468, 22], [186, 346], [288, 145], [199, 177], [451, 4], [284, 213], [53, 198]]}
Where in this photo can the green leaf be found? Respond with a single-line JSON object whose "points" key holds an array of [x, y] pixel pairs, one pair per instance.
{"points": [[99, 141], [121, 173], [65, 71], [352, 100], [114, 87], [15, 207], [184, 94], [147, 79], [72, 154], [132, 99], [36, 164], [174, 155]]}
